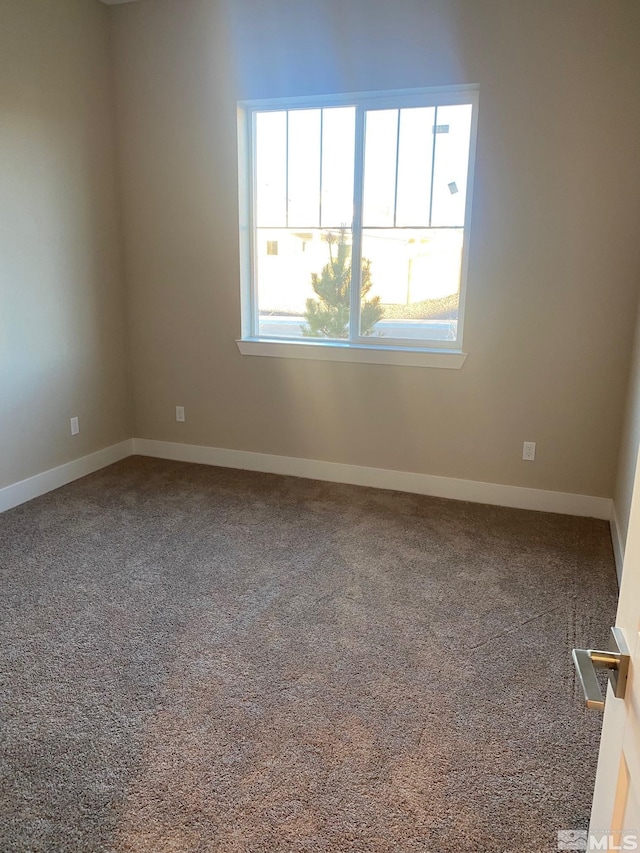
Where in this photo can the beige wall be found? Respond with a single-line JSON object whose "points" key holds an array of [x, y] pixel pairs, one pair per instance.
{"points": [[62, 336], [554, 253], [629, 446]]}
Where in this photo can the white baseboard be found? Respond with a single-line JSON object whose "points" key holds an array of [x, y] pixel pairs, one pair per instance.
{"points": [[616, 538], [33, 487], [381, 478], [336, 472]]}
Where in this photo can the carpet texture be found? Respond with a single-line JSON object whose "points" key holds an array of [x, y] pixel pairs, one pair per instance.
{"points": [[200, 659]]}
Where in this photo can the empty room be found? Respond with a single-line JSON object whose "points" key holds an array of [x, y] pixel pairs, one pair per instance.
{"points": [[319, 420]]}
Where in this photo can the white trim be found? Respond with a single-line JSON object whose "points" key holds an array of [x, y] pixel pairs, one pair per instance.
{"points": [[337, 472], [408, 356], [246, 204], [47, 481], [616, 539], [381, 478]]}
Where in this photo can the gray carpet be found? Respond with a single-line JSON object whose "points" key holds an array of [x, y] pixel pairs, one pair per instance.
{"points": [[200, 659]]}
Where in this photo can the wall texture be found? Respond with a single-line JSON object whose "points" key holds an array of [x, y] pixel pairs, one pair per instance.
{"points": [[62, 329], [554, 252]]}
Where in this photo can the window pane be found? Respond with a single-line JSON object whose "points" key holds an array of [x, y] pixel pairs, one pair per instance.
{"points": [[338, 143], [304, 168], [288, 262], [271, 168], [451, 165], [381, 138], [414, 166], [416, 275]]}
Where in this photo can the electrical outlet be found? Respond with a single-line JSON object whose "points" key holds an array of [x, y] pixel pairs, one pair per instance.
{"points": [[529, 451], [75, 426], [180, 414]]}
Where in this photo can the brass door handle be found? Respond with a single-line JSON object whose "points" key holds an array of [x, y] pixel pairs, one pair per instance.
{"points": [[616, 660]]}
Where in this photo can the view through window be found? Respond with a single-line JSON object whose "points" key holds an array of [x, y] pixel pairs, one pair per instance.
{"points": [[358, 213]]}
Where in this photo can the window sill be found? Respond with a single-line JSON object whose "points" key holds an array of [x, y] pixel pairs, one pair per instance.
{"points": [[362, 353]]}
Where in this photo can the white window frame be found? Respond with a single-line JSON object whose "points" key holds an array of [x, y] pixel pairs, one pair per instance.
{"points": [[357, 348]]}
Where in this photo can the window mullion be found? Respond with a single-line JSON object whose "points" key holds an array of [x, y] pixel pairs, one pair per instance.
{"points": [[433, 161], [321, 155], [286, 173], [395, 192], [356, 247]]}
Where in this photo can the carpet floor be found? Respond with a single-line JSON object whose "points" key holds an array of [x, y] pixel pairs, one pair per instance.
{"points": [[199, 659]]}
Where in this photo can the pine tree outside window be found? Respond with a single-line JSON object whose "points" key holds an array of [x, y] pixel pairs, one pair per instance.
{"points": [[367, 197]]}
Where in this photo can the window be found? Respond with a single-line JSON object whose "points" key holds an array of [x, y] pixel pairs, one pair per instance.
{"points": [[354, 221]]}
